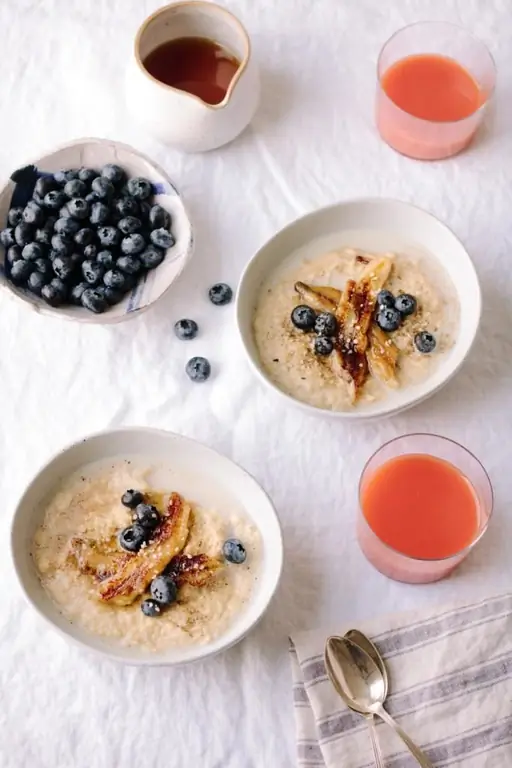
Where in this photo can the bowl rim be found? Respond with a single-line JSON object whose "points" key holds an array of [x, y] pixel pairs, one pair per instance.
{"points": [[354, 416], [119, 655], [104, 319]]}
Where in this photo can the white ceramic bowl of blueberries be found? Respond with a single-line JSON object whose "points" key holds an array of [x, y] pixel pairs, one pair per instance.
{"points": [[93, 231]]}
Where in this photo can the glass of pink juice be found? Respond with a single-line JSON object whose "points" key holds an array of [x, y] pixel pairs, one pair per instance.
{"points": [[434, 83], [425, 501]]}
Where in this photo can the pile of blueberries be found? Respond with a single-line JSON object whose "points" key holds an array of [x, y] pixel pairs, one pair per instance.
{"points": [[390, 312], [145, 521], [86, 237]]}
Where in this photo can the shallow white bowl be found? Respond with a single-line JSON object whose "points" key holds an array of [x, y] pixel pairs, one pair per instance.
{"points": [[375, 225], [214, 476], [95, 153]]}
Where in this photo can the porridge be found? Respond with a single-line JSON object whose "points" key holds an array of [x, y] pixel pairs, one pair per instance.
{"points": [[91, 564], [362, 325]]}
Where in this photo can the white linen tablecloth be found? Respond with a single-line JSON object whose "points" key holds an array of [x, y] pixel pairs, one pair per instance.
{"points": [[313, 142]]}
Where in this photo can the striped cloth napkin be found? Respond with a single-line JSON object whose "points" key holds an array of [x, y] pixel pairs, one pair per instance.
{"points": [[450, 689]]}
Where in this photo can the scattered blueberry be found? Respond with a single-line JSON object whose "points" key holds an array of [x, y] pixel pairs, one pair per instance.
{"points": [[54, 199], [94, 300], [7, 236], [55, 293], [20, 271], [139, 188], [159, 217], [146, 515], [84, 236], [15, 216], [150, 608], [33, 251], [219, 294], [424, 341], [131, 265], [133, 244], [78, 208], [87, 175], [132, 538], [163, 589], [61, 244], [323, 346], [75, 188], [389, 319], [33, 214], [63, 267], [198, 369], [113, 173], [406, 304], [67, 226], [234, 551], [185, 329], [163, 239], [13, 254], [132, 498], [23, 235], [102, 187], [326, 324], [92, 272], [385, 299], [109, 236], [36, 282], [303, 318], [152, 257]]}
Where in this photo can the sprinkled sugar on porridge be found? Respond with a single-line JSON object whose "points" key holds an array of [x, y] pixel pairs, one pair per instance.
{"points": [[363, 324], [102, 577]]}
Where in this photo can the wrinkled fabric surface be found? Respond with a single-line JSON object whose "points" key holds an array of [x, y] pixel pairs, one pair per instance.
{"points": [[312, 143]]}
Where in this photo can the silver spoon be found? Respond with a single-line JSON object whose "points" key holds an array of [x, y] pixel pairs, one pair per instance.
{"points": [[357, 637], [359, 682]]}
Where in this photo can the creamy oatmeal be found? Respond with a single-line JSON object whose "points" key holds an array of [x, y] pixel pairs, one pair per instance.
{"points": [[87, 508], [287, 354]]}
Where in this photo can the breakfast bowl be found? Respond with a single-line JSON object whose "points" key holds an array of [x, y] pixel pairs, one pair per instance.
{"points": [[146, 282], [218, 538], [359, 310]]}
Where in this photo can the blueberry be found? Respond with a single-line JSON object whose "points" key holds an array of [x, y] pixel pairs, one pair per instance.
{"points": [[129, 224], [43, 185], [67, 226], [425, 342], [55, 293], [132, 498], [113, 173], [92, 272], [61, 245], [385, 299], [131, 282], [20, 271], [159, 217], [323, 346], [152, 257], [146, 515], [15, 216], [92, 198], [33, 251], [103, 188], [326, 324], [44, 266], [112, 296], [139, 188], [90, 252], [131, 265], [133, 244], [62, 177], [198, 369], [84, 236], [145, 208], [63, 267], [303, 318], [44, 234], [94, 300], [36, 282], [38, 199], [87, 175], [127, 206], [23, 234], [7, 236], [13, 254], [78, 208], [109, 236], [389, 319], [77, 258], [186, 329], [77, 291], [115, 279], [99, 214], [105, 258], [163, 589], [406, 304], [54, 199], [234, 551], [150, 608], [75, 188], [33, 214], [163, 239], [132, 538], [64, 212]]}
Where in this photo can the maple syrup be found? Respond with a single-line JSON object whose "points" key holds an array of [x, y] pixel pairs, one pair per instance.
{"points": [[195, 65]]}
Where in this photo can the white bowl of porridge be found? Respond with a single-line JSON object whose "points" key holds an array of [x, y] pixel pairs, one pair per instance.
{"points": [[359, 310], [147, 547]]}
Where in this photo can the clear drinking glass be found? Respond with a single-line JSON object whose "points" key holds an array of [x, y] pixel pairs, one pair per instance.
{"points": [[389, 561], [425, 139]]}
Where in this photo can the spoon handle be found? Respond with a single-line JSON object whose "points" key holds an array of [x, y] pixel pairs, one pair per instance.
{"points": [[377, 754], [413, 749]]}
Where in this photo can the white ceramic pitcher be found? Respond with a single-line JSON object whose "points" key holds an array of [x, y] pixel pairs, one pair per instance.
{"points": [[176, 117]]}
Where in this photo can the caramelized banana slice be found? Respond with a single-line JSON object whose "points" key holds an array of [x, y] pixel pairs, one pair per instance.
{"points": [[382, 356], [323, 299], [195, 570]]}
